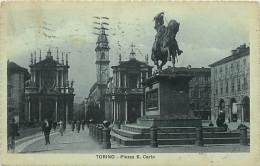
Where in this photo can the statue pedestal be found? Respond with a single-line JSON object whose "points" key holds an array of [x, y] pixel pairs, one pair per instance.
{"points": [[167, 101]]}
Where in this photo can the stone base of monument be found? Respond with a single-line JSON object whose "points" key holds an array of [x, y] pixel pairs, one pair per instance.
{"points": [[167, 108], [169, 121], [167, 100], [136, 135]]}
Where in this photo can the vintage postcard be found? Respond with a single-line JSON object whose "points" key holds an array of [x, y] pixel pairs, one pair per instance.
{"points": [[129, 83]]}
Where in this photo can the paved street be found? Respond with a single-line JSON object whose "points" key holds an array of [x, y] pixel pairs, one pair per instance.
{"points": [[73, 142]]}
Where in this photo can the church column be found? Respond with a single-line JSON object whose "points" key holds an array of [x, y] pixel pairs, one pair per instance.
{"points": [[119, 79], [117, 84], [29, 110], [126, 111], [67, 110], [114, 113], [137, 82], [40, 110], [33, 75], [62, 78], [142, 108], [57, 78], [141, 79], [125, 80], [56, 110], [117, 110]]}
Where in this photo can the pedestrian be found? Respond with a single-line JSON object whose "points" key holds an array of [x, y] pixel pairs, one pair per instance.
{"points": [[46, 131], [61, 128], [73, 125], [78, 125], [83, 124], [54, 125], [13, 132]]}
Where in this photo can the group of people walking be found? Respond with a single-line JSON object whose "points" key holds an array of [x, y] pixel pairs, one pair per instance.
{"points": [[48, 125], [78, 124]]}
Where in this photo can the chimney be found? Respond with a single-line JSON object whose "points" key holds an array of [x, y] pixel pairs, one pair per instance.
{"points": [[120, 58], [234, 52], [146, 59], [40, 58], [34, 57], [57, 55], [31, 58]]}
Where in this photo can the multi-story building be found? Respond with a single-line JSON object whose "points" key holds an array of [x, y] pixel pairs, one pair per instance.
{"points": [[125, 92], [49, 94], [16, 77], [96, 102], [199, 92], [230, 87]]}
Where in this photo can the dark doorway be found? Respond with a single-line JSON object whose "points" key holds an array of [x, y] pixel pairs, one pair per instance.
{"points": [[233, 106], [133, 111], [246, 108], [48, 109]]}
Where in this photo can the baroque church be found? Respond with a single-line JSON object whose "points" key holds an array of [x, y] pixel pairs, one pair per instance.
{"points": [[49, 94]]}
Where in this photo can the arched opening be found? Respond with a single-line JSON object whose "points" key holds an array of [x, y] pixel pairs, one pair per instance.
{"points": [[246, 109], [233, 105]]}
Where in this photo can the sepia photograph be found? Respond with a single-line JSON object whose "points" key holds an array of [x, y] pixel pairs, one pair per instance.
{"points": [[128, 80]]}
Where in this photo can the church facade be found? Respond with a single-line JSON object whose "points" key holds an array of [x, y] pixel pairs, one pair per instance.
{"points": [[49, 94], [125, 92]]}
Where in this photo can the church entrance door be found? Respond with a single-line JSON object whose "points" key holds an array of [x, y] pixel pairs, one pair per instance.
{"points": [[48, 109]]}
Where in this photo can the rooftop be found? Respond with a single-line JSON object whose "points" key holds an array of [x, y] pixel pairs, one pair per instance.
{"points": [[13, 68], [132, 63], [239, 52]]}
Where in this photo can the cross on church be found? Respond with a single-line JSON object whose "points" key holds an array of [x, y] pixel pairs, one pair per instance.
{"points": [[132, 54], [132, 46]]}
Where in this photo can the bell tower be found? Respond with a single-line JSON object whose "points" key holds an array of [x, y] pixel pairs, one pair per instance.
{"points": [[102, 57]]}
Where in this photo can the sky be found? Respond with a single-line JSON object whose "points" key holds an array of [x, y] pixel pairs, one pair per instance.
{"points": [[207, 33]]}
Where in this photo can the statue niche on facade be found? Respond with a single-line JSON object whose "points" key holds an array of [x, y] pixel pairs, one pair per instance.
{"points": [[165, 46]]}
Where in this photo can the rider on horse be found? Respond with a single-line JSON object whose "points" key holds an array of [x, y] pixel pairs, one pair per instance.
{"points": [[165, 45]]}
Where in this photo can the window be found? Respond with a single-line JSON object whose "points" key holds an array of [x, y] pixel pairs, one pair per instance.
{"points": [[227, 87], [102, 55], [232, 85], [231, 68], [238, 66], [238, 84], [216, 89], [245, 83], [221, 88], [226, 69]]}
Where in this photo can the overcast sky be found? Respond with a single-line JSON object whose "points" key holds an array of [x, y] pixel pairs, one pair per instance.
{"points": [[207, 33]]}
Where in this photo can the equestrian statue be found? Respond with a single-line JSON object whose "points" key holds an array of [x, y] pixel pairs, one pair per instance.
{"points": [[165, 46]]}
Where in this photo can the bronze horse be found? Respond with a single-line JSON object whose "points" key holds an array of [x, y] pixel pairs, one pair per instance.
{"points": [[165, 45]]}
